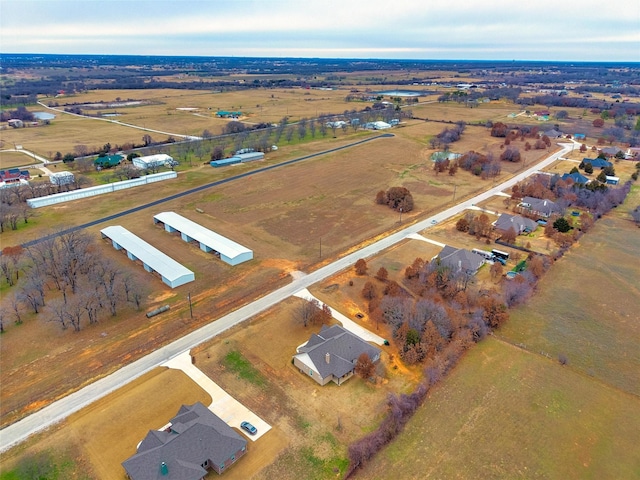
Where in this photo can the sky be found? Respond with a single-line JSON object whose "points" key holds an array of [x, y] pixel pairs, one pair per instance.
{"points": [[547, 30]]}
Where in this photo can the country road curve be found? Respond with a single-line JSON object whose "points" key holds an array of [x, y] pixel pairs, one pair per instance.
{"points": [[59, 410]]}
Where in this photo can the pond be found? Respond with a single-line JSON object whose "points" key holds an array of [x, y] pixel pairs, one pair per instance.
{"points": [[44, 115]]}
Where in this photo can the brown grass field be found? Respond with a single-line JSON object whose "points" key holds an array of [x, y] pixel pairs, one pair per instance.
{"points": [[507, 413]]}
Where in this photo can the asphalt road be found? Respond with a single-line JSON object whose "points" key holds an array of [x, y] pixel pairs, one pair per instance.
{"points": [[57, 411]]}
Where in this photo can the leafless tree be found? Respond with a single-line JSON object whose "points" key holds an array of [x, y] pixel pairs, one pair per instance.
{"points": [[365, 368], [307, 310]]}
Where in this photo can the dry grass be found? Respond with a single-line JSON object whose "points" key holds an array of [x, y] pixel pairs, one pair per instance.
{"points": [[507, 413]]}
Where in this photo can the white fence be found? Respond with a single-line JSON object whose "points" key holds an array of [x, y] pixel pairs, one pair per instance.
{"points": [[98, 190]]}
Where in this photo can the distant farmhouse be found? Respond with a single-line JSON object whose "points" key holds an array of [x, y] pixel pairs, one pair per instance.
{"points": [[519, 224], [331, 355], [225, 114], [459, 259], [108, 161], [14, 176], [539, 207], [196, 441]]}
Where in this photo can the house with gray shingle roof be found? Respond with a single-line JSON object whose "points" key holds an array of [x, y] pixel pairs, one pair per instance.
{"points": [[519, 223], [539, 206], [196, 441], [331, 355], [458, 259]]}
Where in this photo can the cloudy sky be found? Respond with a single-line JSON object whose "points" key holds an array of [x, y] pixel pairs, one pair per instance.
{"points": [[572, 30]]}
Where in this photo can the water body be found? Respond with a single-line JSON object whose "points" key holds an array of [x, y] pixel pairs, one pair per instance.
{"points": [[44, 115], [400, 93]]}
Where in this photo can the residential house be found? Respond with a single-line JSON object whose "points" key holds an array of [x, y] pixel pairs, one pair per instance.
{"points": [[331, 355], [459, 259], [14, 175], [611, 151], [633, 153], [553, 133], [575, 177], [597, 162], [519, 223], [196, 441], [539, 207], [108, 161]]}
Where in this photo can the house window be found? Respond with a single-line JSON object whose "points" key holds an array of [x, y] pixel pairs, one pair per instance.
{"points": [[233, 458], [311, 373], [222, 467], [244, 448]]}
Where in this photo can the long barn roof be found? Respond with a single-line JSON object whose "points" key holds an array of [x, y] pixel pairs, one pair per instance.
{"points": [[221, 244], [148, 254]]}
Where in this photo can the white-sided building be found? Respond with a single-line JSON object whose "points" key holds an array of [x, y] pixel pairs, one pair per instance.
{"points": [[229, 251], [61, 178], [153, 161], [153, 260]]}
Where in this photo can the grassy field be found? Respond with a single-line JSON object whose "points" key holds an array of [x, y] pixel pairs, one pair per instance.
{"points": [[508, 413], [587, 304]]}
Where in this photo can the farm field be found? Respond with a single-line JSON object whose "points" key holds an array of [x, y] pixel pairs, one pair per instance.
{"points": [[586, 306], [507, 413]]}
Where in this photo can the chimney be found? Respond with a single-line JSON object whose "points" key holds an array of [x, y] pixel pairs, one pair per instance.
{"points": [[327, 357]]}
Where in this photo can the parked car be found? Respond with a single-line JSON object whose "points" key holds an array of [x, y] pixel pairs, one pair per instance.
{"points": [[249, 428]]}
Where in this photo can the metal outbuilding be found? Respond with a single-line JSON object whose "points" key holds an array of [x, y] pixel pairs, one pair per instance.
{"points": [[229, 251], [153, 260], [150, 161]]}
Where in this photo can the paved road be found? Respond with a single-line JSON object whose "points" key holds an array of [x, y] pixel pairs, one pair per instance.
{"points": [[59, 410]]}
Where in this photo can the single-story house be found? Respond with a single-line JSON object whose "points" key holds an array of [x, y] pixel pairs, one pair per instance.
{"points": [[539, 206], [597, 162], [458, 259], [14, 175], [575, 177], [226, 114], [611, 151], [519, 223], [196, 441], [331, 355], [553, 133], [108, 161], [579, 136]]}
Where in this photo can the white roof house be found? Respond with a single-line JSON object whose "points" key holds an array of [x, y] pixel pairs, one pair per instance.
{"points": [[153, 260], [157, 160], [230, 252]]}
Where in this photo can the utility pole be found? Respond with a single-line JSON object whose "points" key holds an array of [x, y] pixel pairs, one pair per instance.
{"points": [[190, 306], [320, 248], [400, 214]]}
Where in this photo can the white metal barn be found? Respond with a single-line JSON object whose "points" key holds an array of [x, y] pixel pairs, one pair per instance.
{"points": [[151, 161], [153, 260], [61, 178], [230, 252]]}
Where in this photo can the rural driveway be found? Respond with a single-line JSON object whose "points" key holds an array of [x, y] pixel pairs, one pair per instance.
{"points": [[57, 411], [222, 404], [346, 322]]}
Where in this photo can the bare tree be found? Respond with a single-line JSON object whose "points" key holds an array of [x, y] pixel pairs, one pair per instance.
{"points": [[307, 310], [365, 368]]}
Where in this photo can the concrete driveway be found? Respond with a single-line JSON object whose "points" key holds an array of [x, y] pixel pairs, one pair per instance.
{"points": [[346, 322], [222, 404]]}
